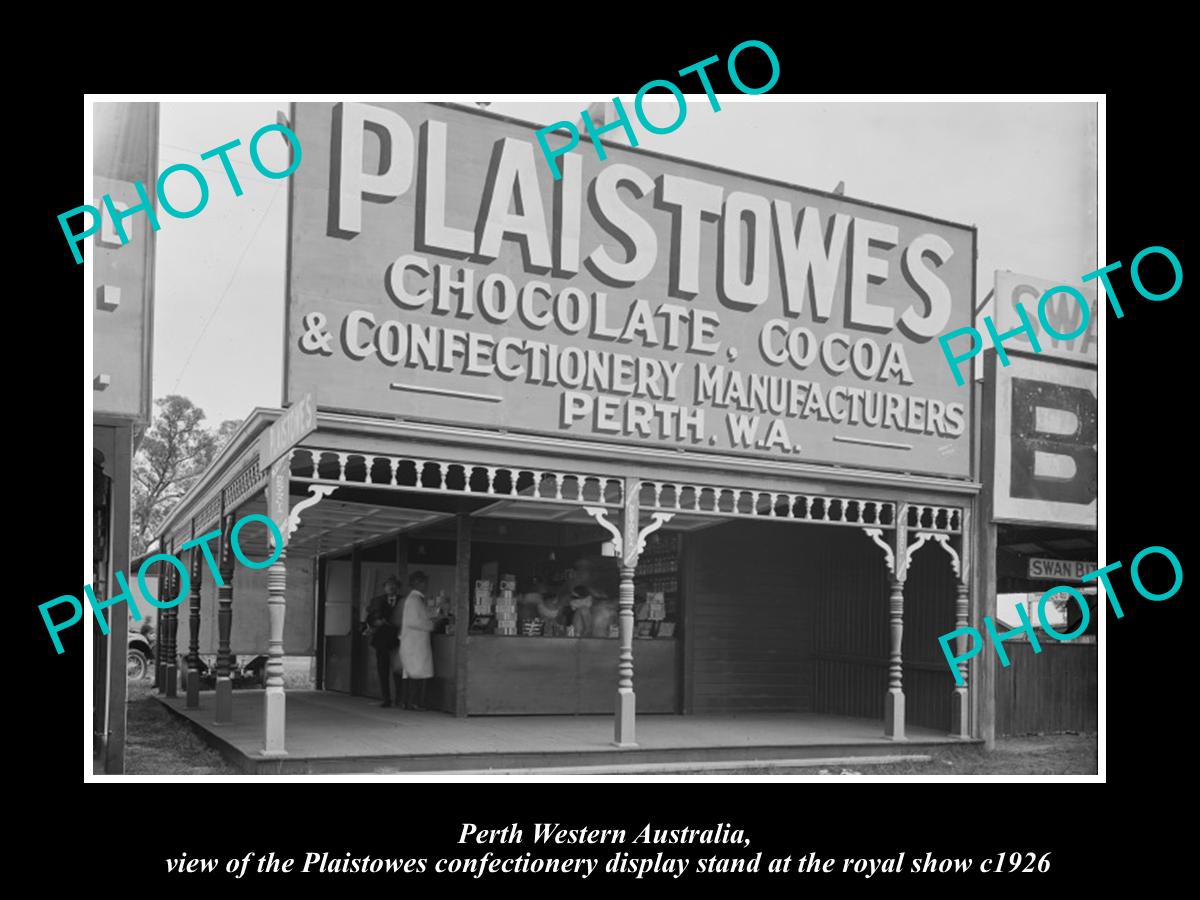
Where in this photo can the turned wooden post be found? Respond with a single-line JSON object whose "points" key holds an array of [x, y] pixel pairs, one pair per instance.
{"points": [[893, 708], [193, 657], [624, 735], [893, 704], [462, 616], [170, 669], [960, 705], [224, 695], [160, 644], [624, 727], [274, 701]]}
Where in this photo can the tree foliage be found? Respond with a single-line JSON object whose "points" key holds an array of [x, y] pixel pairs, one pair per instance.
{"points": [[175, 450]]}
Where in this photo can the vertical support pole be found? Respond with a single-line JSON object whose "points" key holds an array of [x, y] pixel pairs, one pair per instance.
{"points": [[171, 667], [116, 652], [462, 612], [893, 704], [443, 699], [101, 549], [322, 574], [960, 704], [160, 644], [984, 672], [274, 700], [624, 728], [983, 665], [402, 561], [193, 657], [686, 642], [224, 696], [359, 649]]}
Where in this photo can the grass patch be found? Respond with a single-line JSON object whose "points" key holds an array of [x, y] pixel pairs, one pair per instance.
{"points": [[156, 743], [1056, 754]]}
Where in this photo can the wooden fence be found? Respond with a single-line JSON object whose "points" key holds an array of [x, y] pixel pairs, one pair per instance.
{"points": [[1051, 691]]}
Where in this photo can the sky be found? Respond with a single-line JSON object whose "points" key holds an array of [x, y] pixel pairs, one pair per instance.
{"points": [[1024, 173]]}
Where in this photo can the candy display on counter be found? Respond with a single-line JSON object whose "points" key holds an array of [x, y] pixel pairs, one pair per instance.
{"points": [[506, 609], [657, 576], [483, 597], [577, 603]]}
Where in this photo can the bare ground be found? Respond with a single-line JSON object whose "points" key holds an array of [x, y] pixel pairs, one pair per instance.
{"points": [[156, 743], [1054, 754]]}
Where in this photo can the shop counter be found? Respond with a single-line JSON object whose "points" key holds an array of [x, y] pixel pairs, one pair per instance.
{"points": [[512, 675]]}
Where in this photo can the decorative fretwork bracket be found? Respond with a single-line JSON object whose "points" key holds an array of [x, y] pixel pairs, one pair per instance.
{"points": [[898, 553], [876, 534], [600, 514], [287, 519], [895, 553], [657, 521], [317, 492], [957, 561], [943, 540], [629, 551], [963, 570]]}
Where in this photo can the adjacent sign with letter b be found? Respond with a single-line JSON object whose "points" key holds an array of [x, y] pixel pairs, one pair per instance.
{"points": [[1044, 447]]}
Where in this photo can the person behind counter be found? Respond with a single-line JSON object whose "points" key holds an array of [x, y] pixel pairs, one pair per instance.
{"points": [[383, 626], [604, 613], [416, 649], [583, 572], [581, 611], [601, 609], [527, 606], [553, 611]]}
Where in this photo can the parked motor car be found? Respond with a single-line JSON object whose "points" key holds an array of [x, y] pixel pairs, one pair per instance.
{"points": [[253, 674], [139, 656]]}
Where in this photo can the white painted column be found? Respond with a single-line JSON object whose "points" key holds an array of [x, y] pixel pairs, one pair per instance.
{"points": [[274, 701]]}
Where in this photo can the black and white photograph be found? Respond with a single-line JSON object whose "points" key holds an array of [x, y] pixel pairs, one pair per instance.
{"points": [[678, 434]]}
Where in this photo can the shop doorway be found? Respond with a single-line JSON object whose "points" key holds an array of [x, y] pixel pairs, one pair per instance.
{"points": [[793, 618]]}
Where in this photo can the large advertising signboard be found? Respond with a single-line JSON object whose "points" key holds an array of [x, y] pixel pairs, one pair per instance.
{"points": [[438, 271], [1063, 312], [1043, 460]]}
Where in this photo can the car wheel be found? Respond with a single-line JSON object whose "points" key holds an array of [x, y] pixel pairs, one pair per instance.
{"points": [[136, 665]]}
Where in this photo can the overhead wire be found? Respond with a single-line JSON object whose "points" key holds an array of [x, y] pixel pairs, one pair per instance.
{"points": [[225, 292]]}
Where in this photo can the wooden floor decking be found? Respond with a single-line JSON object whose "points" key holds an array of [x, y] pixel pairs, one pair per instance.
{"points": [[330, 732]]}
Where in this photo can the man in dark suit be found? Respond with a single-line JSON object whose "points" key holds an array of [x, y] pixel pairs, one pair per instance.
{"points": [[383, 626]]}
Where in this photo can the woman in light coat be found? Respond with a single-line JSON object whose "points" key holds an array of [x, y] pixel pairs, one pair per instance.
{"points": [[416, 649]]}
